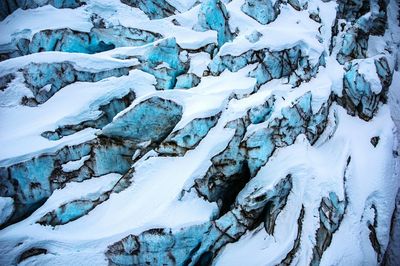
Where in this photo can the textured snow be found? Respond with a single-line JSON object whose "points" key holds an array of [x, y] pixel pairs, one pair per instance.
{"points": [[368, 70], [20, 130], [28, 22], [320, 168], [289, 29], [74, 165]]}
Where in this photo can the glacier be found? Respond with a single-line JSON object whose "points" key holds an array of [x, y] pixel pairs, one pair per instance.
{"points": [[209, 132]]}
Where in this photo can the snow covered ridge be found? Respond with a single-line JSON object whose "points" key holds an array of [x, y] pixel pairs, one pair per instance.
{"points": [[214, 132]]}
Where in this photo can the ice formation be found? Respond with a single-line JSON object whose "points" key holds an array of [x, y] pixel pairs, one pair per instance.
{"points": [[211, 132]]}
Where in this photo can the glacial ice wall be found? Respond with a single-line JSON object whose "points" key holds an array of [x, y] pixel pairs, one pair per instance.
{"points": [[182, 132]]}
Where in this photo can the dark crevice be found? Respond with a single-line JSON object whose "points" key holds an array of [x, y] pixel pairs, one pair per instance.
{"points": [[228, 198], [372, 234], [200, 244], [30, 253], [205, 259]]}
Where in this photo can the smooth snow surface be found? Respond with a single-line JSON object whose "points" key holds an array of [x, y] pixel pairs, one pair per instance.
{"points": [[153, 184]]}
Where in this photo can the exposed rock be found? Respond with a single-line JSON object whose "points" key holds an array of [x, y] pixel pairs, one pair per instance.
{"points": [[375, 141], [198, 244], [31, 182], [108, 112], [154, 9], [331, 214], [187, 138], [187, 81], [162, 60], [296, 245], [150, 120], [45, 79], [391, 256], [31, 252], [280, 132], [272, 65], [264, 11], [5, 80], [99, 39], [362, 96], [372, 226]]}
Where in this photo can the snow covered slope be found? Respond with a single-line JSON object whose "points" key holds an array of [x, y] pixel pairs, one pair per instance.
{"points": [[213, 132]]}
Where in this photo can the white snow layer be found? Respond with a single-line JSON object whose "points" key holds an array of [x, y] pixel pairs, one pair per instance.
{"points": [[153, 199]]}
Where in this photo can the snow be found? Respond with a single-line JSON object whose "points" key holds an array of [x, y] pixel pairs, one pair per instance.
{"points": [[182, 5], [20, 126], [335, 72], [98, 62], [379, 189], [77, 190], [16, 90], [212, 90], [74, 165], [198, 63], [15, 150], [327, 12], [368, 70], [118, 14], [28, 22], [156, 191], [161, 193], [320, 168], [291, 28]]}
